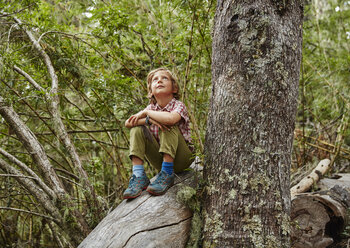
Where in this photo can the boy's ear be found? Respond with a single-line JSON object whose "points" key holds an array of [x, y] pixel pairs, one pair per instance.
{"points": [[175, 90]]}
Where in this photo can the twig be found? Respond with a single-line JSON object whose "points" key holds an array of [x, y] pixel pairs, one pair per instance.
{"points": [[4, 14], [82, 131], [11, 175], [28, 212]]}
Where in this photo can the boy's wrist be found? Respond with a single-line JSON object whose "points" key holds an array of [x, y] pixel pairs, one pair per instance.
{"points": [[147, 121]]}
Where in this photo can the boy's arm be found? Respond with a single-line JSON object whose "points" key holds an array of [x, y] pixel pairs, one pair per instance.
{"points": [[133, 121], [165, 118], [139, 122], [162, 117]]}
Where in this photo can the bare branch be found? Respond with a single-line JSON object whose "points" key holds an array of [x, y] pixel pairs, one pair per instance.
{"points": [[30, 172], [32, 145], [83, 131], [29, 78], [57, 120], [4, 14], [46, 58], [38, 193], [28, 212], [11, 175]]}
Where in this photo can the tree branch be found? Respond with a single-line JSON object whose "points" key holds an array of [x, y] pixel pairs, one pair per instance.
{"points": [[29, 78], [57, 120], [32, 145], [38, 193], [28, 212], [24, 167]]}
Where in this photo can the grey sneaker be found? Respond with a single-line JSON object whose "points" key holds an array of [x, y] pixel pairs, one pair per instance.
{"points": [[136, 185], [162, 183]]}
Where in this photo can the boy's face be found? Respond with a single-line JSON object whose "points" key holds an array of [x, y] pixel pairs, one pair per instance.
{"points": [[161, 84]]}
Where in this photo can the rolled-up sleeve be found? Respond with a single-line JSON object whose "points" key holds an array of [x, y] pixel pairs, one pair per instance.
{"points": [[182, 110]]}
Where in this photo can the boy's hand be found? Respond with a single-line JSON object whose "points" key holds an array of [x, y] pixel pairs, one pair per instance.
{"points": [[135, 118], [161, 126]]}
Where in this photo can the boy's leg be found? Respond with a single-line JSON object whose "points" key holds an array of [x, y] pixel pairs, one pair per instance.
{"points": [[176, 156], [172, 143], [139, 146], [144, 147]]}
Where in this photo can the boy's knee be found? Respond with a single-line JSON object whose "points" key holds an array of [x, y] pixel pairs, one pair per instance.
{"points": [[136, 130], [173, 131]]}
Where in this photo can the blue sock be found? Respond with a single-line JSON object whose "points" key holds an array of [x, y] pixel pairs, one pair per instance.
{"points": [[168, 167], [138, 170]]}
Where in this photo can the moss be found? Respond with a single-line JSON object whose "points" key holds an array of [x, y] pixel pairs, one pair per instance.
{"points": [[186, 195], [260, 179], [243, 183], [189, 196], [285, 224], [230, 177], [254, 227], [259, 150], [196, 231], [272, 242], [213, 224], [278, 205], [231, 196], [211, 189]]}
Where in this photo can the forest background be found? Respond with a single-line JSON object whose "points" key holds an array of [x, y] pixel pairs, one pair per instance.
{"points": [[101, 52]]}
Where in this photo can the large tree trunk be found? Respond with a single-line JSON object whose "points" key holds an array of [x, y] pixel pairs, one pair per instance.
{"points": [[255, 75]]}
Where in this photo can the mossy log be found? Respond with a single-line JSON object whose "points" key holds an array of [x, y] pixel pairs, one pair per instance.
{"points": [[147, 221], [319, 218]]}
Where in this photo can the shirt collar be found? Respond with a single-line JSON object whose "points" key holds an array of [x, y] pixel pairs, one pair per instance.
{"points": [[168, 107]]}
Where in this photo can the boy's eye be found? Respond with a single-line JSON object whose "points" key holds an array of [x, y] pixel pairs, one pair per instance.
{"points": [[156, 79]]}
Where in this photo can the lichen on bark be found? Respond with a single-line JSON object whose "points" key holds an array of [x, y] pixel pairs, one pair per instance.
{"points": [[255, 73]]}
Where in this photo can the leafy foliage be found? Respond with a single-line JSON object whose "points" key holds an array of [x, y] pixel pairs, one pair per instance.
{"points": [[322, 126], [101, 53]]}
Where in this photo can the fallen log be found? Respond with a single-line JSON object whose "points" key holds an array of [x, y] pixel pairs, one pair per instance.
{"points": [[163, 221], [319, 218], [147, 221]]}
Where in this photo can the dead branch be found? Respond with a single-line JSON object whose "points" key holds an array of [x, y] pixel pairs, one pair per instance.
{"points": [[32, 145], [29, 78], [306, 183], [83, 131], [57, 120], [28, 212], [30, 172], [38, 193]]}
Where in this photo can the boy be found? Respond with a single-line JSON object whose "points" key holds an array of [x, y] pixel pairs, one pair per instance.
{"points": [[160, 133]]}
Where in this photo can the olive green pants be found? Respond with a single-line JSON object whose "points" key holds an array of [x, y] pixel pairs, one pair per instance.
{"points": [[145, 146]]}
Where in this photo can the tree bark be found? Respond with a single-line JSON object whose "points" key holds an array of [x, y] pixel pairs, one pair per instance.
{"points": [[147, 221], [255, 75]]}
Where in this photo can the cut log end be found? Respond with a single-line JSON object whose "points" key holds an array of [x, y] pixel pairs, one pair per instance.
{"points": [[318, 218]]}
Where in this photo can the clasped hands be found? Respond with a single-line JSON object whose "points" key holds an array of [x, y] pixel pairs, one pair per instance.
{"points": [[134, 120]]}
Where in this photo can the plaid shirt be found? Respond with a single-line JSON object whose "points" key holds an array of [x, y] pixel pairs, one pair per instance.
{"points": [[184, 123]]}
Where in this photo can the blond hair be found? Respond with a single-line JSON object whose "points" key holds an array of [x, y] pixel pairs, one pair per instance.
{"points": [[173, 81]]}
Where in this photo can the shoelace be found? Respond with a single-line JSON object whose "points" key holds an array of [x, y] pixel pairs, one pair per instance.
{"points": [[160, 178], [132, 183]]}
